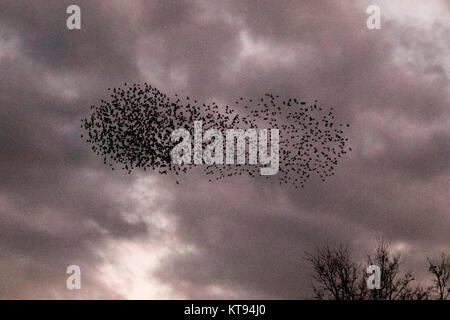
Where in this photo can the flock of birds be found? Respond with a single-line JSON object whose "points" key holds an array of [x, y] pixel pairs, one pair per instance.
{"points": [[132, 128]]}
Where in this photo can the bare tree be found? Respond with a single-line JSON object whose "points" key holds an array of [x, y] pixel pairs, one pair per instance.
{"points": [[440, 270], [337, 276], [395, 284]]}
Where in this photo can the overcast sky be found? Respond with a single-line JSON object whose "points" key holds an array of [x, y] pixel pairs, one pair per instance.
{"points": [[144, 236]]}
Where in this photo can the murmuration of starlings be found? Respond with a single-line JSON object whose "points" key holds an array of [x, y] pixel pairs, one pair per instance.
{"points": [[138, 126]]}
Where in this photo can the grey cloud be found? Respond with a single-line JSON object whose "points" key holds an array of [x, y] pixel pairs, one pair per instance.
{"points": [[249, 235]]}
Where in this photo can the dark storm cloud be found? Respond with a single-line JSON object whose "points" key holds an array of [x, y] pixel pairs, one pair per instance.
{"points": [[105, 46], [246, 242], [59, 205]]}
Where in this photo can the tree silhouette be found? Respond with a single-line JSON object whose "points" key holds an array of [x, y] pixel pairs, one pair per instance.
{"points": [[337, 276], [440, 269]]}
